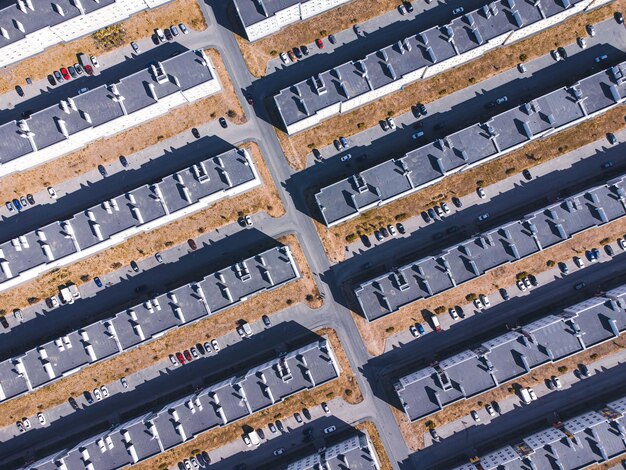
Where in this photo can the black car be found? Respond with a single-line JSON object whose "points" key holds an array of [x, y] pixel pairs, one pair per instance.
{"points": [[30, 198], [337, 144], [562, 52], [19, 90], [432, 213], [223, 122], [305, 50], [280, 426], [408, 6], [400, 228], [584, 371], [384, 232], [297, 52], [134, 266], [526, 174], [533, 280], [457, 202], [72, 71], [87, 396], [504, 294], [4, 322], [332, 39], [378, 236], [422, 109], [609, 250], [195, 132], [168, 34], [306, 413], [266, 321], [200, 349], [612, 138], [596, 252], [123, 161], [73, 403], [619, 17], [51, 80], [103, 171], [426, 217]]}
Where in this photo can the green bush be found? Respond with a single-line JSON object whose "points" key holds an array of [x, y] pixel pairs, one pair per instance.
{"points": [[550, 263], [439, 310], [562, 369], [390, 329], [401, 216], [510, 171], [351, 237], [470, 297], [523, 57], [360, 125]]}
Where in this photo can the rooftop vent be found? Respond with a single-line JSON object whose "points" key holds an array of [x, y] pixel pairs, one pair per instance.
{"points": [[242, 271], [400, 279], [158, 72], [318, 83], [359, 183], [199, 171], [283, 370]]}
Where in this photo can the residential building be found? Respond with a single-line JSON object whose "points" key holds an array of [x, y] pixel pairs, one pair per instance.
{"points": [[354, 453]]}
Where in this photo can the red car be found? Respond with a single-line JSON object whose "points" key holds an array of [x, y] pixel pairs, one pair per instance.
{"points": [[88, 69], [319, 43], [292, 56], [65, 74], [180, 358], [192, 244], [188, 355]]}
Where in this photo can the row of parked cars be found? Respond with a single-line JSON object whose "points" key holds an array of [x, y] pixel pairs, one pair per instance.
{"points": [[74, 71], [167, 34], [20, 203], [200, 460], [24, 424], [188, 355], [296, 53], [390, 230]]}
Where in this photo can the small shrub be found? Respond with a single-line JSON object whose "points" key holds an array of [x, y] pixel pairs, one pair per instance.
{"points": [[521, 275], [593, 356], [523, 57], [390, 329], [480, 403], [85, 277], [231, 113], [390, 113], [480, 183], [430, 424], [329, 395], [360, 125], [212, 115], [562, 369], [323, 32], [160, 137], [550, 263], [309, 297], [471, 79], [351, 237], [116, 265], [470, 297], [510, 390], [289, 301], [443, 91], [348, 392], [605, 241], [168, 243], [33, 300], [401, 216], [510, 171], [439, 310], [201, 229], [273, 53], [310, 146]]}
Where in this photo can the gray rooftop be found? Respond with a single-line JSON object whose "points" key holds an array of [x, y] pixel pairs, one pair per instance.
{"points": [[399, 60], [587, 439], [471, 146], [121, 216], [182, 420], [255, 11], [141, 323], [513, 354], [101, 105], [357, 450], [507, 243]]}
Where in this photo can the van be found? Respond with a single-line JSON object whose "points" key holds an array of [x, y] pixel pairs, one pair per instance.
{"points": [[435, 321], [83, 60], [66, 296], [525, 396], [244, 329]]}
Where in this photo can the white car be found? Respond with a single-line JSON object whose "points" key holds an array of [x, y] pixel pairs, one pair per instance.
{"points": [[527, 282], [533, 395], [414, 331], [216, 345], [392, 230], [26, 423], [621, 243], [173, 360], [579, 262], [285, 58], [187, 464], [95, 62], [183, 28], [41, 418], [475, 416], [478, 304], [453, 314], [556, 382], [330, 429], [439, 211], [105, 391], [490, 410], [52, 192], [97, 393], [481, 193], [582, 43], [135, 47], [520, 285], [445, 207], [346, 157], [417, 135], [485, 301], [246, 439], [278, 452], [391, 123]]}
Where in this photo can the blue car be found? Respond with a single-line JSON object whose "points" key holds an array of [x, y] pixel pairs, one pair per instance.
{"points": [[420, 328], [97, 281], [17, 204]]}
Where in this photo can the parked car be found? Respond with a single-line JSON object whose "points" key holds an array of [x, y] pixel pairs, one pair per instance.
{"points": [[124, 382], [344, 142], [533, 395], [556, 382], [187, 355], [426, 217], [420, 328], [475, 416], [20, 426], [584, 371], [621, 243], [434, 435], [330, 429], [183, 28], [298, 418], [453, 313], [490, 410], [520, 284], [97, 393], [103, 171], [279, 451], [23, 201], [52, 192], [158, 257], [458, 11], [579, 262], [432, 213], [78, 69], [392, 230], [135, 47], [481, 193], [582, 42], [292, 56], [485, 301], [216, 345], [194, 352], [325, 407], [285, 58], [174, 30], [10, 207], [305, 50], [72, 71], [58, 76], [18, 315], [408, 6], [391, 123], [526, 174], [52, 302], [4, 322], [402, 9], [331, 39], [319, 43], [590, 30], [73, 403], [105, 391], [279, 425], [504, 294], [134, 266], [346, 157], [612, 139], [521, 67], [272, 428], [414, 331]]}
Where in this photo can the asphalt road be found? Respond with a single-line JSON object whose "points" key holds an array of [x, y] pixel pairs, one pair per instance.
{"points": [[225, 245]]}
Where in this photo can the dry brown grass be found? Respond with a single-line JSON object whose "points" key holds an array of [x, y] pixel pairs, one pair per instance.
{"points": [[136, 27], [144, 356], [218, 437], [104, 151], [259, 53], [263, 198], [377, 443], [490, 64], [461, 184], [615, 463], [375, 334], [414, 432]]}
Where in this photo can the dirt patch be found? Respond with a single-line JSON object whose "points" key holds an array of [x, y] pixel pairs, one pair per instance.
{"points": [[144, 356], [461, 184], [218, 437], [107, 150], [375, 334], [377, 443], [137, 27], [414, 432], [264, 198], [492, 63], [259, 53]]}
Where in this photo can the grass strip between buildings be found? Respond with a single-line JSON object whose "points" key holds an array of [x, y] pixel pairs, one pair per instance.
{"points": [[336, 239], [375, 334], [104, 151], [490, 64], [263, 198], [302, 290], [414, 432], [135, 28]]}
